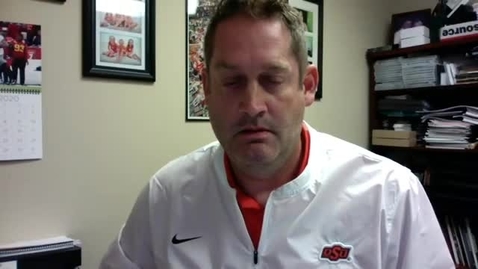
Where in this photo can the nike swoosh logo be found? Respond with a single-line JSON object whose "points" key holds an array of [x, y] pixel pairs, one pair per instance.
{"points": [[176, 241]]}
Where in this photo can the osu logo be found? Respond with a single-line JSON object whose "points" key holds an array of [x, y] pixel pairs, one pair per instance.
{"points": [[336, 252]]}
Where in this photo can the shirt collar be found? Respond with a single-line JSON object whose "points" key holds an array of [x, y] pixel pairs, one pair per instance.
{"points": [[304, 159]]}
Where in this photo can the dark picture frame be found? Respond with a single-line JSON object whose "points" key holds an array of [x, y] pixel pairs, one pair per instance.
{"points": [[408, 20], [313, 16], [197, 19], [119, 40]]}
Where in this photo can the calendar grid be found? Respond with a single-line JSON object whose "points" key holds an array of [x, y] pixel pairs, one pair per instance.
{"points": [[20, 123]]}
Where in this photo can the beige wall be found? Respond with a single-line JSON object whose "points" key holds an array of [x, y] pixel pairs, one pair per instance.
{"points": [[410, 5], [104, 139]]}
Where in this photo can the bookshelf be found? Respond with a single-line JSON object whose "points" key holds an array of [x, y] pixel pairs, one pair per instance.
{"points": [[420, 149], [443, 47], [451, 174], [465, 89]]}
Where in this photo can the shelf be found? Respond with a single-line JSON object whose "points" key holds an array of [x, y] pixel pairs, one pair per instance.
{"points": [[437, 47], [449, 89], [423, 149]]}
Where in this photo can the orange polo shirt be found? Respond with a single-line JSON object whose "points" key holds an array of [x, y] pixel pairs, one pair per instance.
{"points": [[252, 211]]}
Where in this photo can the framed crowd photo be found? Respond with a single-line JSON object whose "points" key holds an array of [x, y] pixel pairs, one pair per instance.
{"points": [[199, 13], [313, 17], [119, 39]]}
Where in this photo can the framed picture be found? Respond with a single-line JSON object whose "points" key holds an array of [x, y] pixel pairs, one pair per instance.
{"points": [[313, 17], [119, 39], [409, 20], [20, 54], [199, 13]]}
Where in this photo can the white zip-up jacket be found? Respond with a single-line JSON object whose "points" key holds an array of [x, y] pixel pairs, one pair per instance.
{"points": [[349, 208]]}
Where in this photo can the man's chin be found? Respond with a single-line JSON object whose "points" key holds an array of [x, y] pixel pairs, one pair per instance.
{"points": [[256, 154]]}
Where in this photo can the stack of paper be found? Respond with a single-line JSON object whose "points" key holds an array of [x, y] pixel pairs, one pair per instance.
{"points": [[388, 74], [413, 72], [35, 246], [451, 134], [470, 115], [451, 128], [465, 72], [420, 71]]}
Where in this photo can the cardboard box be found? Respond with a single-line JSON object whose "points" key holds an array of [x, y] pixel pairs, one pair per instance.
{"points": [[414, 41], [404, 143], [394, 134], [394, 138], [411, 32]]}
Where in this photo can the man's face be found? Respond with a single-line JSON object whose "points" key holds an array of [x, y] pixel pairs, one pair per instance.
{"points": [[255, 96]]}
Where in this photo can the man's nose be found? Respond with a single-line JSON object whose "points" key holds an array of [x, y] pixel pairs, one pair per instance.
{"points": [[253, 100]]}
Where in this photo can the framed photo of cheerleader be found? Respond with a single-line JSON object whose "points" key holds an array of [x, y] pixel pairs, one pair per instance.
{"points": [[313, 17], [119, 39]]}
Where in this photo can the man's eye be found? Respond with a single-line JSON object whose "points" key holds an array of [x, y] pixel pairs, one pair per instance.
{"points": [[234, 82], [230, 83], [272, 81], [275, 81]]}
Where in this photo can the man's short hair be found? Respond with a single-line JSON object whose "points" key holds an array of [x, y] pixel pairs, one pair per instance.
{"points": [[260, 9]]}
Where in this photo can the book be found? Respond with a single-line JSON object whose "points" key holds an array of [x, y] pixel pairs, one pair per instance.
{"points": [[36, 246]]}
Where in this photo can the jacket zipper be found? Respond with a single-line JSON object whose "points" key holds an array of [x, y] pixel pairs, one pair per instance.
{"points": [[264, 225]]}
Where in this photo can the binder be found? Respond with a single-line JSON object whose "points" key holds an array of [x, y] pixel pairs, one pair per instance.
{"points": [[20, 123], [52, 253]]}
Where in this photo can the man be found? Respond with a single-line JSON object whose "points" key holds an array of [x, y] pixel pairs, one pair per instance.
{"points": [[36, 39], [5, 59], [274, 192], [19, 52], [3, 62]]}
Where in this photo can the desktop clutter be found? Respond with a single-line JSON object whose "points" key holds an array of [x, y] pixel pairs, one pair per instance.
{"points": [[59, 252]]}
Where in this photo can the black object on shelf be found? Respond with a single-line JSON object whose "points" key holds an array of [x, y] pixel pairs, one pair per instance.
{"points": [[67, 258]]}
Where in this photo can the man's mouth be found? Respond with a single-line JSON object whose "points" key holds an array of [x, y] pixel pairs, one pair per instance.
{"points": [[254, 130]]}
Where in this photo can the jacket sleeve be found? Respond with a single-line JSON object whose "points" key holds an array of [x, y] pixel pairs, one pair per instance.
{"points": [[415, 238], [132, 248]]}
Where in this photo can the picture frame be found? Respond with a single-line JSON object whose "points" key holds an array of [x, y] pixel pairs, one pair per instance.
{"points": [[17, 71], [119, 40], [198, 14], [409, 19], [313, 17]]}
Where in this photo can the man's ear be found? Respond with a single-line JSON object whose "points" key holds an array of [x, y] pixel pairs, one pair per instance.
{"points": [[310, 82], [205, 82]]}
